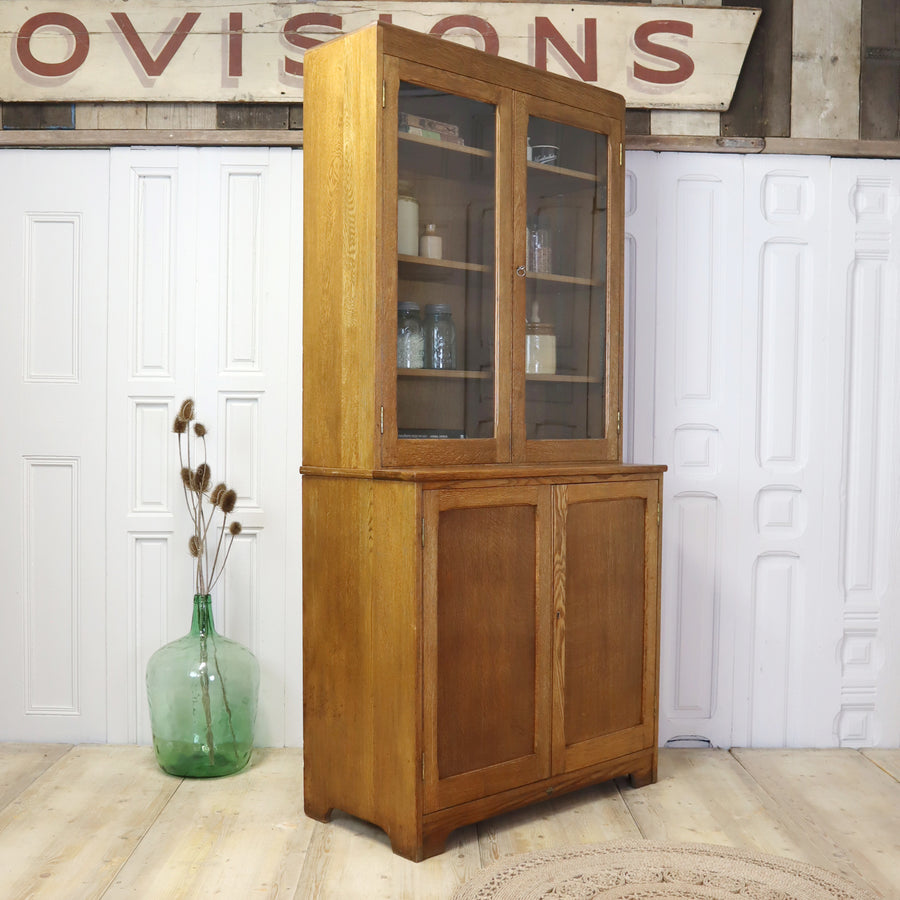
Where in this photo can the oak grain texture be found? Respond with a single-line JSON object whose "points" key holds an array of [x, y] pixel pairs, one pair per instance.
{"points": [[431, 583]]}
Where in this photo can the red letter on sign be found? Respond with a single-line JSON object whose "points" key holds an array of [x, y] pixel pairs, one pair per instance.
{"points": [[151, 66], [475, 23], [684, 62], [63, 20], [235, 44], [295, 39], [545, 32]]}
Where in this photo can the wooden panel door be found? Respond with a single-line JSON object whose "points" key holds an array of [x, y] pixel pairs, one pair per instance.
{"points": [[605, 620], [486, 660]]}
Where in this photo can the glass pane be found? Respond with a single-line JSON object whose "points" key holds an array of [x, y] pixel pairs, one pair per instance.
{"points": [[445, 265], [565, 351]]}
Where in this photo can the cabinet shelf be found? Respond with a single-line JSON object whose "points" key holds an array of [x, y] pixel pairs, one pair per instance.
{"points": [[444, 145], [561, 170], [445, 373], [422, 268], [570, 379], [562, 279]]}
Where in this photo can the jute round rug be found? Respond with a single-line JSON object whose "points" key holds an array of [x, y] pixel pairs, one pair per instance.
{"points": [[641, 870]]}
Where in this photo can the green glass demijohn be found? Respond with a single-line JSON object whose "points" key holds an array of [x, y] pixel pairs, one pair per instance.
{"points": [[202, 690]]}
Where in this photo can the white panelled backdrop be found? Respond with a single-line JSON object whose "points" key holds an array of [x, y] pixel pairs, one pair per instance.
{"points": [[761, 365]]}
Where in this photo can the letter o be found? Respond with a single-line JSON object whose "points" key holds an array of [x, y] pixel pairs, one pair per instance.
{"points": [[66, 66]]}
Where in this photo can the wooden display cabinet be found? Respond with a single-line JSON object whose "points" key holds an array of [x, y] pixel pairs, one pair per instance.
{"points": [[480, 571]]}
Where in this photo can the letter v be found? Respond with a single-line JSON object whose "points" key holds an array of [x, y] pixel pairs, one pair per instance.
{"points": [[156, 66]]}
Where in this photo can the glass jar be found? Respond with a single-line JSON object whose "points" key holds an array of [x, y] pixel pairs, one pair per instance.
{"points": [[440, 337], [410, 337], [407, 225], [538, 252], [540, 349]]}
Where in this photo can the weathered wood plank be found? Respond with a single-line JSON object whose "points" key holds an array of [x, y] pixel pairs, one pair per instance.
{"points": [[21, 764], [842, 803], [38, 115], [243, 836], [888, 760], [587, 816], [181, 115], [825, 72], [707, 796], [69, 832], [111, 115], [761, 105], [349, 858], [879, 79], [250, 116]]}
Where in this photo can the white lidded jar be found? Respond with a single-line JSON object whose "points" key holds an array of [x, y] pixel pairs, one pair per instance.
{"points": [[407, 225], [431, 245], [540, 346]]}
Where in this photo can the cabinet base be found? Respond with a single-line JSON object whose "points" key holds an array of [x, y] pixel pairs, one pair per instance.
{"points": [[418, 844]]}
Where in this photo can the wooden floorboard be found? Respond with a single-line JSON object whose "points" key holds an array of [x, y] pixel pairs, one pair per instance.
{"points": [[847, 805], [105, 822]]}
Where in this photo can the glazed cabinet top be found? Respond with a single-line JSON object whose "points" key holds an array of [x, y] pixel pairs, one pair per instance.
{"points": [[462, 258]]}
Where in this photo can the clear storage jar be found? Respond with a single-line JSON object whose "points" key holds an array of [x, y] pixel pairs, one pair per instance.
{"points": [[410, 337], [440, 337]]}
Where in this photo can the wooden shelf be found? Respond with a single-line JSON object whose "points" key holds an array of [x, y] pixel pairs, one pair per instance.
{"points": [[439, 265], [568, 379], [445, 373], [561, 170], [444, 145], [561, 279]]}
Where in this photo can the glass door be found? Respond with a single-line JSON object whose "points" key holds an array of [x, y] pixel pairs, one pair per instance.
{"points": [[567, 297], [443, 382]]}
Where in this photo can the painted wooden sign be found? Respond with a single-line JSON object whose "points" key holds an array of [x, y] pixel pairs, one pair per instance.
{"points": [[214, 50]]}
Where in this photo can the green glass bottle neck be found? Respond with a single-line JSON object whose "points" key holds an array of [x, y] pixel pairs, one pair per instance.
{"points": [[202, 620]]}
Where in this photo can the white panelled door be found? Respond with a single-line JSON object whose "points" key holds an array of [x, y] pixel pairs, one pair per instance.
{"points": [[773, 395], [137, 277], [762, 336], [53, 256]]}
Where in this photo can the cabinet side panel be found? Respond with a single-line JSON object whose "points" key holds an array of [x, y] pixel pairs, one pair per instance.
{"points": [[342, 211], [338, 668], [604, 667], [396, 630]]}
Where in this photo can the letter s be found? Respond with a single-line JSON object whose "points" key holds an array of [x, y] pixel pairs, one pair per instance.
{"points": [[295, 39], [684, 63]]}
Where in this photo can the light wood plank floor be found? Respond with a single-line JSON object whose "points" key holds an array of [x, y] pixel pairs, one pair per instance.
{"points": [[100, 821]]}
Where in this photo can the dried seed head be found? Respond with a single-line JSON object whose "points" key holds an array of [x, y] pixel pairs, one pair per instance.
{"points": [[234, 528], [202, 478], [195, 545], [187, 478], [199, 429], [228, 501], [216, 496], [187, 410], [179, 426]]}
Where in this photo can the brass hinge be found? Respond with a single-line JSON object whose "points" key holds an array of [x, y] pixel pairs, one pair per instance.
{"points": [[383, 95], [621, 153], [659, 513], [382, 420], [423, 767], [619, 422]]}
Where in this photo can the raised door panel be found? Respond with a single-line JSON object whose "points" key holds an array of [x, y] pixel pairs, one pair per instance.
{"points": [[487, 663], [605, 647]]}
